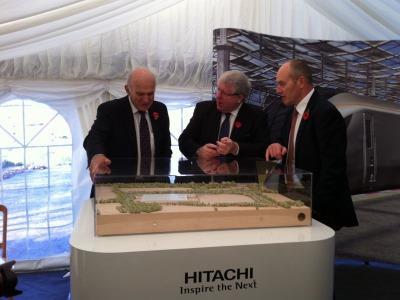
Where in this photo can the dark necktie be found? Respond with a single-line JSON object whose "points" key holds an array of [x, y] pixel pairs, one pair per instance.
{"points": [[145, 148], [224, 130], [291, 150]]}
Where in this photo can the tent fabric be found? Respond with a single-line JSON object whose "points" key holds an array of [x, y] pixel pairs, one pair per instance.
{"points": [[103, 40], [362, 19], [106, 39], [69, 22]]}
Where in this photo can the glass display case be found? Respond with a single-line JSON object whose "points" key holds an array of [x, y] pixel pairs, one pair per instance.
{"points": [[162, 195]]}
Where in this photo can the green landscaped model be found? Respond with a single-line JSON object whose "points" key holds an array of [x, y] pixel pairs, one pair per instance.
{"points": [[129, 202]]}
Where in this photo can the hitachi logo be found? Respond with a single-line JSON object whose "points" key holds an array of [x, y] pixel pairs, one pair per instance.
{"points": [[213, 275]]}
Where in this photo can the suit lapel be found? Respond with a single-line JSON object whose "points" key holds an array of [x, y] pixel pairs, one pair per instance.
{"points": [[127, 114], [242, 115], [213, 123], [154, 115]]}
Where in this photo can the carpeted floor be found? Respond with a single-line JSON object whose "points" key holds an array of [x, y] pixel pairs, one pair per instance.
{"points": [[377, 238], [375, 244], [375, 281], [49, 285]]}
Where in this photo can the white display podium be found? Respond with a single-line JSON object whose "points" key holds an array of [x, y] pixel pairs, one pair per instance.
{"points": [[271, 263]]}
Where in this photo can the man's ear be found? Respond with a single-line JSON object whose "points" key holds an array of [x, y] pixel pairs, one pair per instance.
{"points": [[127, 89], [301, 81]]}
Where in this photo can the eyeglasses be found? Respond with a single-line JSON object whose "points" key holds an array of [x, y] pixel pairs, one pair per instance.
{"points": [[226, 94]]}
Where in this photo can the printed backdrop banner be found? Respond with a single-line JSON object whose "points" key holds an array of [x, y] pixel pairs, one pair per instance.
{"points": [[361, 78]]}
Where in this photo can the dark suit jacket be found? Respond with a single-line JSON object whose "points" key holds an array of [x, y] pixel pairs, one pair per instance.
{"points": [[249, 130], [113, 132], [321, 149]]}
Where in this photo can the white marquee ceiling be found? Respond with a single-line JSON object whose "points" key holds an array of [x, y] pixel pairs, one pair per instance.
{"points": [[105, 39]]}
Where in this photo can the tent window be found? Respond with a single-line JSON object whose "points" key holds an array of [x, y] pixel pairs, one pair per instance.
{"points": [[179, 118], [35, 179]]}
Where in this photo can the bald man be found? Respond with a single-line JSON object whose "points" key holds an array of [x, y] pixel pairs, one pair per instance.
{"points": [[319, 144], [116, 131]]}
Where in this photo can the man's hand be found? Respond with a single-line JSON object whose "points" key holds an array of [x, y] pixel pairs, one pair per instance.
{"points": [[228, 168], [276, 151], [207, 151], [227, 146], [215, 166], [208, 165], [99, 165]]}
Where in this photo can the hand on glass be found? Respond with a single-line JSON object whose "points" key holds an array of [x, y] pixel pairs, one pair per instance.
{"points": [[276, 151], [99, 164], [207, 151], [215, 166], [208, 165]]}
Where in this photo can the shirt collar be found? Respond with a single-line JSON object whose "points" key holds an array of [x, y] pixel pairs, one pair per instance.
{"points": [[134, 109], [301, 106], [235, 112]]}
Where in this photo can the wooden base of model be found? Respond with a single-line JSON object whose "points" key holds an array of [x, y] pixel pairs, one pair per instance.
{"points": [[217, 211], [226, 218]]}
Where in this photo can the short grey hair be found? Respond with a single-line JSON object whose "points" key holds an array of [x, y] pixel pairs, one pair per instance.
{"points": [[238, 80], [299, 68]]}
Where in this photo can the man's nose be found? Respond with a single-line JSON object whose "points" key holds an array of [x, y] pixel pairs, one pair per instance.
{"points": [[146, 98]]}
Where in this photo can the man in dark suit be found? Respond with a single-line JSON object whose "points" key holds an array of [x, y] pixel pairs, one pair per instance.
{"points": [[117, 130], [227, 126], [319, 144]]}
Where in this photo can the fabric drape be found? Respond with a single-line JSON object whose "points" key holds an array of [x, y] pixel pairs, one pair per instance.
{"points": [[175, 42]]}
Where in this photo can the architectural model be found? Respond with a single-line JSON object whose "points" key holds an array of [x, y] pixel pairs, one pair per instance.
{"points": [[126, 208]]}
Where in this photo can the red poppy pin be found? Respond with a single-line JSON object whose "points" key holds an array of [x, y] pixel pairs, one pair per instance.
{"points": [[156, 115], [238, 124], [306, 115]]}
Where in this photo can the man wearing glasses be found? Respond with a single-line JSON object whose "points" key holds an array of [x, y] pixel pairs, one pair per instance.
{"points": [[227, 126]]}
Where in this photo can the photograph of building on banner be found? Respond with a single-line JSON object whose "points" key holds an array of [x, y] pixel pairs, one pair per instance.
{"points": [[361, 78]]}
